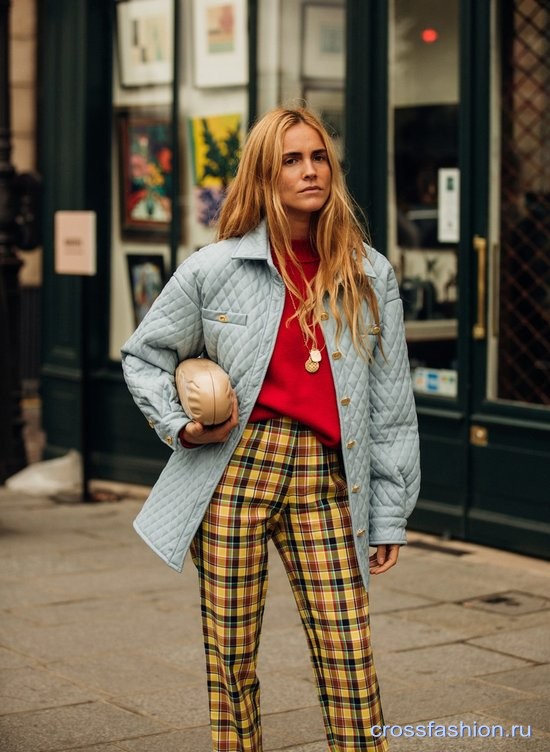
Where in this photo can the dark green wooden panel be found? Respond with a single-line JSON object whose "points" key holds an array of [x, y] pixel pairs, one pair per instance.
{"points": [[74, 146], [122, 445], [509, 532], [442, 501], [510, 486], [366, 112]]}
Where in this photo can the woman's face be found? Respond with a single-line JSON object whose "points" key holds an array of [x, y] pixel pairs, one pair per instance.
{"points": [[305, 178]]}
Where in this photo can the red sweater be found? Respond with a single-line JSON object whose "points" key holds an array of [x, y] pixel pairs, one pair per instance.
{"points": [[288, 389]]}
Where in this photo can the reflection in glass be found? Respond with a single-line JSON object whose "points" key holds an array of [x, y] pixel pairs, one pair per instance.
{"points": [[302, 57], [523, 348], [424, 184]]}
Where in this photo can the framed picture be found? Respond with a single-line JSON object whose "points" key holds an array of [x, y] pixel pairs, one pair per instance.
{"points": [[147, 278], [145, 39], [146, 179], [328, 104], [324, 46], [215, 147], [220, 43]]}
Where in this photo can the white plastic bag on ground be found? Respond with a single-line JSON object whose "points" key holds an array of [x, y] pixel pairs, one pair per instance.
{"points": [[61, 475]]}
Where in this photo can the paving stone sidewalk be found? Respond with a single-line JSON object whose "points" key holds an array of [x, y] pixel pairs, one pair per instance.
{"points": [[101, 651]]}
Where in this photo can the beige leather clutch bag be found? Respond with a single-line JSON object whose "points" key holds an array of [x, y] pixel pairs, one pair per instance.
{"points": [[204, 390]]}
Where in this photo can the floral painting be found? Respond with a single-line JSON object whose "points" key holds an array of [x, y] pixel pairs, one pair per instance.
{"points": [[146, 173], [215, 148]]}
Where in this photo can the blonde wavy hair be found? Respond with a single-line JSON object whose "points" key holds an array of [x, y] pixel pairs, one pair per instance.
{"points": [[335, 231]]}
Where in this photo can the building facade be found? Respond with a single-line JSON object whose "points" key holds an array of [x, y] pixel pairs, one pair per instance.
{"points": [[440, 112]]}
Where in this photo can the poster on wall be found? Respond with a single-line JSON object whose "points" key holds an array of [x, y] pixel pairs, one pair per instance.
{"points": [[146, 179], [323, 50], [215, 147], [220, 43], [145, 42], [147, 278]]}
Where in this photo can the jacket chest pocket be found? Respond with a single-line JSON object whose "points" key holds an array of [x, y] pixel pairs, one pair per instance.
{"points": [[220, 327]]}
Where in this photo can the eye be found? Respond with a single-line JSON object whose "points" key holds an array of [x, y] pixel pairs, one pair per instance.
{"points": [[290, 160], [320, 157]]}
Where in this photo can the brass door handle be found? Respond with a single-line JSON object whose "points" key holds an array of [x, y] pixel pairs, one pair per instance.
{"points": [[479, 330]]}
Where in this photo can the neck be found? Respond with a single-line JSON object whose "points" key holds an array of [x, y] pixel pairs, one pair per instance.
{"points": [[299, 227]]}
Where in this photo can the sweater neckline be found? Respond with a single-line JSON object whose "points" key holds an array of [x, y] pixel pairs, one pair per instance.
{"points": [[304, 251]]}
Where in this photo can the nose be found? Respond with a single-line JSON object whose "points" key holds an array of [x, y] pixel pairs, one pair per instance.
{"points": [[310, 169]]}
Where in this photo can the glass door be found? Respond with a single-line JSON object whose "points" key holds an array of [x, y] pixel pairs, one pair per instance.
{"points": [[424, 184], [519, 314], [425, 241], [509, 458]]}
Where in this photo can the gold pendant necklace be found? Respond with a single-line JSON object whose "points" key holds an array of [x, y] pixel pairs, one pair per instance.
{"points": [[312, 363]]}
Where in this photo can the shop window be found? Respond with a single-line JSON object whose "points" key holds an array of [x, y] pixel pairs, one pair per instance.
{"points": [[301, 59], [180, 112], [520, 315], [424, 184]]}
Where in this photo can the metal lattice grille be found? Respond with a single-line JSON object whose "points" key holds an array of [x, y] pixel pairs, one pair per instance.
{"points": [[524, 343]]}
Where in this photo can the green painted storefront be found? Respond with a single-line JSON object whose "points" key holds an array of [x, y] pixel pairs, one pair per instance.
{"points": [[485, 448]]}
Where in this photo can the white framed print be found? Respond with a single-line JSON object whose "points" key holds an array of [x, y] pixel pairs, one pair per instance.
{"points": [[329, 105], [145, 40], [220, 43], [324, 45]]}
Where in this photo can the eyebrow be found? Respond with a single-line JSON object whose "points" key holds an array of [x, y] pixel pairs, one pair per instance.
{"points": [[299, 153]]}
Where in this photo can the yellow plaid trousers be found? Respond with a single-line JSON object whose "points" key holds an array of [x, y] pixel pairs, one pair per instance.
{"points": [[283, 484]]}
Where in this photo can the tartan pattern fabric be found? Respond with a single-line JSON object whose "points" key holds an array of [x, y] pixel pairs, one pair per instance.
{"points": [[283, 484]]}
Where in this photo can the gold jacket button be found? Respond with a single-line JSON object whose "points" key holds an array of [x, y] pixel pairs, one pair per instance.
{"points": [[351, 444], [355, 489], [169, 440], [360, 532], [345, 401], [223, 318], [374, 330], [337, 355], [324, 316]]}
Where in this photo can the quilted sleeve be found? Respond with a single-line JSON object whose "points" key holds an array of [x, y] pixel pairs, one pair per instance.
{"points": [[170, 332], [395, 461]]}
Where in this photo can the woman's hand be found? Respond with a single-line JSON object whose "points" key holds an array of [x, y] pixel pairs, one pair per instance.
{"points": [[195, 433], [384, 558]]}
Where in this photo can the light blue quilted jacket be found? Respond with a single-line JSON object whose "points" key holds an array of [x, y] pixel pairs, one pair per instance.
{"points": [[226, 300]]}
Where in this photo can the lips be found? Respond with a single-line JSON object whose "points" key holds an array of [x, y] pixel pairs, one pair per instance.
{"points": [[311, 189]]}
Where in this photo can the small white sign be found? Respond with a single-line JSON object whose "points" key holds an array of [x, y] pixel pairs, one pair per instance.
{"points": [[440, 381], [448, 210], [75, 242]]}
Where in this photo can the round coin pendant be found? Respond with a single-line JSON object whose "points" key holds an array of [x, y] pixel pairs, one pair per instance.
{"points": [[311, 366]]}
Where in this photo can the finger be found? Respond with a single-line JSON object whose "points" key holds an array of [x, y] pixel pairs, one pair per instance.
{"points": [[217, 434], [381, 554], [193, 429], [391, 561], [234, 417]]}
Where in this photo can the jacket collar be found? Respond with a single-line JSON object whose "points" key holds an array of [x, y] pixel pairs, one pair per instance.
{"points": [[255, 246]]}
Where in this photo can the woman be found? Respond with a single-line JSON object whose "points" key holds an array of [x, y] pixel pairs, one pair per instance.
{"points": [[320, 454]]}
